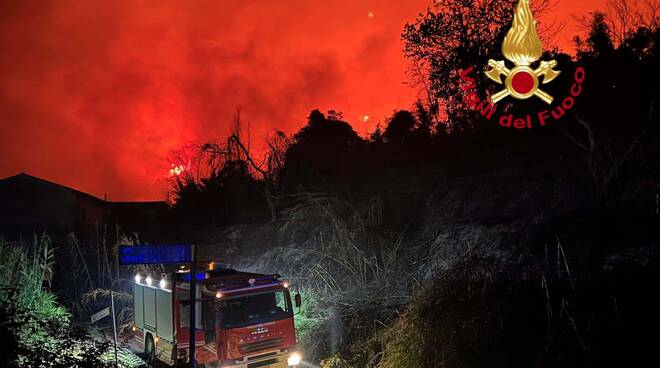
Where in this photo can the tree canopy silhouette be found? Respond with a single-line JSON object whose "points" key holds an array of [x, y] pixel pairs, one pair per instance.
{"points": [[400, 127], [451, 36], [614, 122], [322, 150]]}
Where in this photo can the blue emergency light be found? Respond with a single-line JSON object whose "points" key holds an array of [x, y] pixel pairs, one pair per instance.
{"points": [[200, 276], [155, 254]]}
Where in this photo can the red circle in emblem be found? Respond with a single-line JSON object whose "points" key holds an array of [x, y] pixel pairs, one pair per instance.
{"points": [[522, 82]]}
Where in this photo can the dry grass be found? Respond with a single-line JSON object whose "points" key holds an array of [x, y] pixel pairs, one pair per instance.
{"points": [[425, 335], [353, 278], [356, 276]]}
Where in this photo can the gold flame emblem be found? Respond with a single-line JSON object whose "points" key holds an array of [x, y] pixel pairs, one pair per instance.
{"points": [[522, 46]]}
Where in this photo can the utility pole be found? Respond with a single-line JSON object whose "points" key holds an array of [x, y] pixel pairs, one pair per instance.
{"points": [[193, 304], [114, 324]]}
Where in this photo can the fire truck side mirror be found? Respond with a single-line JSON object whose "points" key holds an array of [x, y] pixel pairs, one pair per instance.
{"points": [[298, 300]]}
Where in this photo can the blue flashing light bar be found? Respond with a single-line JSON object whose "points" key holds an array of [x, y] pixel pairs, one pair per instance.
{"points": [[200, 276], [155, 254]]}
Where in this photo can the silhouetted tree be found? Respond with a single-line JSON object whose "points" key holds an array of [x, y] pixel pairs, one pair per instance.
{"points": [[451, 36], [377, 135], [426, 121], [626, 17], [320, 151], [618, 114], [278, 145], [599, 41], [400, 127], [223, 184]]}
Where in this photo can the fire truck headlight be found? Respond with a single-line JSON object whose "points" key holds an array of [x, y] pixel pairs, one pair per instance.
{"points": [[294, 359]]}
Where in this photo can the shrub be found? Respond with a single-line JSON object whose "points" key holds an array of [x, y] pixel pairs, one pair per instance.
{"points": [[36, 330]]}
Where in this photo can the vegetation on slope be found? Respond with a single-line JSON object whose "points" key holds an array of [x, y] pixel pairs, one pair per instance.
{"points": [[36, 330]]}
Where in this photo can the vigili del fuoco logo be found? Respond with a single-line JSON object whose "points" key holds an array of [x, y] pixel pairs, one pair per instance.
{"points": [[522, 46]]}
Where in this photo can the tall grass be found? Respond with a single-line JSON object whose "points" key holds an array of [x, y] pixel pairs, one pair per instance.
{"points": [[352, 277], [26, 268], [36, 327]]}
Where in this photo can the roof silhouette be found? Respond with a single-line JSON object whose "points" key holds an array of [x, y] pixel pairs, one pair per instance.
{"points": [[26, 176]]}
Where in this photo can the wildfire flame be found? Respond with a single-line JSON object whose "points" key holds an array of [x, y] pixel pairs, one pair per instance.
{"points": [[176, 170], [522, 44]]}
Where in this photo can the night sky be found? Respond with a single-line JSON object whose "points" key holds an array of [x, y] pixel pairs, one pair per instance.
{"points": [[98, 94]]}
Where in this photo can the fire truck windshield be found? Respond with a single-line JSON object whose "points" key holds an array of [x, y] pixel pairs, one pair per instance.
{"points": [[245, 310]]}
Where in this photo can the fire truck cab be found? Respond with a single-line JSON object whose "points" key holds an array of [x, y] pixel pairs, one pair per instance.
{"points": [[242, 319]]}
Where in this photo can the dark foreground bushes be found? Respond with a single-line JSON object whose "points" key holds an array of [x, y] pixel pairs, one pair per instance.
{"points": [[35, 330]]}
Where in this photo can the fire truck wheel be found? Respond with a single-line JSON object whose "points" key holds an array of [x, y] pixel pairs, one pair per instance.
{"points": [[149, 349]]}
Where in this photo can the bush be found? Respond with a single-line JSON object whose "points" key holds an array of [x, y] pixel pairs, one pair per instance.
{"points": [[447, 320], [36, 330]]}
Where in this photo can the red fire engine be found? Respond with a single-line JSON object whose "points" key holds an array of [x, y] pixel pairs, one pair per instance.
{"points": [[243, 320]]}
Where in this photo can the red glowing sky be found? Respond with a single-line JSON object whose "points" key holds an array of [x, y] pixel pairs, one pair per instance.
{"points": [[97, 94]]}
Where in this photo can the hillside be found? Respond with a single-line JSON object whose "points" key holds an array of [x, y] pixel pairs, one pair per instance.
{"points": [[361, 261]]}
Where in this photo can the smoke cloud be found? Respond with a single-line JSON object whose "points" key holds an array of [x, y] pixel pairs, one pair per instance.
{"points": [[97, 94]]}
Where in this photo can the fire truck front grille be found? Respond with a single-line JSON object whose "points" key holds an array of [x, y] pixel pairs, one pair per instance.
{"points": [[262, 356], [262, 364], [259, 345]]}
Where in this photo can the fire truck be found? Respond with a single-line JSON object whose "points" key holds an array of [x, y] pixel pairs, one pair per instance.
{"points": [[242, 319]]}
